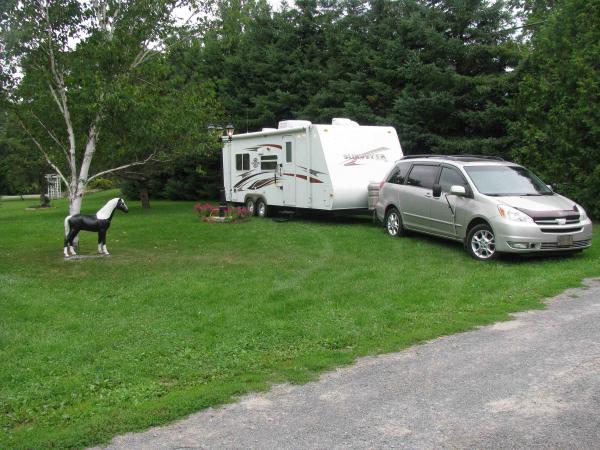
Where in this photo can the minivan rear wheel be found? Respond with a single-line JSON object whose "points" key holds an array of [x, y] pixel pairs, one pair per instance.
{"points": [[393, 223], [481, 243]]}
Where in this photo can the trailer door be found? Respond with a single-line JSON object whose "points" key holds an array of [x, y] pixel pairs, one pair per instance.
{"points": [[288, 171]]}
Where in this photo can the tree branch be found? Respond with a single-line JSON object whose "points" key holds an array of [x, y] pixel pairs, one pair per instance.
{"points": [[53, 136], [39, 146], [141, 56], [55, 97], [136, 163], [61, 97], [144, 51]]}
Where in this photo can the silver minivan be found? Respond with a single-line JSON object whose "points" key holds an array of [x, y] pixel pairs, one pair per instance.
{"points": [[489, 204]]}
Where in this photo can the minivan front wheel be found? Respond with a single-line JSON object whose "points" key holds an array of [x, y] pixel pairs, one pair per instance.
{"points": [[481, 243], [393, 223]]}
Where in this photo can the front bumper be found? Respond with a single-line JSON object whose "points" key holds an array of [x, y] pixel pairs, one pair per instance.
{"points": [[515, 237]]}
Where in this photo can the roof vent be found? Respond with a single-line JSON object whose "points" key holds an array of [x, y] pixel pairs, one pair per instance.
{"points": [[285, 124], [344, 122]]}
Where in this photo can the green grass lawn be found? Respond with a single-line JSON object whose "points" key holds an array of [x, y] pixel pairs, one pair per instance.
{"points": [[187, 314]]}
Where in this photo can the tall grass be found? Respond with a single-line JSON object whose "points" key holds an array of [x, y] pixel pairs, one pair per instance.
{"points": [[187, 314]]}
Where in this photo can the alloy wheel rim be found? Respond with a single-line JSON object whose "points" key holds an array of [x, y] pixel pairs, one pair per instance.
{"points": [[393, 224], [250, 207], [483, 244], [261, 210]]}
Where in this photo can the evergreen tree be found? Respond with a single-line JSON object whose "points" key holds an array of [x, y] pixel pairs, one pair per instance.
{"points": [[558, 102], [456, 78]]}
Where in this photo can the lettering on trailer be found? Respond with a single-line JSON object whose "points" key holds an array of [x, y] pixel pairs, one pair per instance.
{"points": [[352, 159]]}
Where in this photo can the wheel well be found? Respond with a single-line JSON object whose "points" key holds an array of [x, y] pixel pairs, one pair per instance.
{"points": [[475, 222], [254, 198], [390, 206]]}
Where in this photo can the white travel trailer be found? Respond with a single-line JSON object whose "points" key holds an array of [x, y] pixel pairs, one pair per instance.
{"points": [[301, 165]]}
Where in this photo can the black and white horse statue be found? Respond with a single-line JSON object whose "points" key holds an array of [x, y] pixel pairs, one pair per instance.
{"points": [[99, 222]]}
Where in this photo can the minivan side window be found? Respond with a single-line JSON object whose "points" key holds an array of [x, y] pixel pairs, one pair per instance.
{"points": [[422, 176], [399, 174], [451, 177]]}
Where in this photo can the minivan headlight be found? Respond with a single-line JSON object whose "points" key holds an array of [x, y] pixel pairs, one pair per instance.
{"points": [[510, 213], [582, 214]]}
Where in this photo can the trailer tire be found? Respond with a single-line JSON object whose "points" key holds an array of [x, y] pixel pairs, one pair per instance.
{"points": [[261, 208], [251, 206]]}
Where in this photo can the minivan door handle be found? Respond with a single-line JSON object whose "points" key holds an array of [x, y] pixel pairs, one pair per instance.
{"points": [[428, 195]]}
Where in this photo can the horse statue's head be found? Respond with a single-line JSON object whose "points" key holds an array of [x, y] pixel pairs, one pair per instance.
{"points": [[122, 206]]}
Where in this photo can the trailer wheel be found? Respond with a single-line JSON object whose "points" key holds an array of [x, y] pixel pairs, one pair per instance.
{"points": [[261, 208], [250, 206]]}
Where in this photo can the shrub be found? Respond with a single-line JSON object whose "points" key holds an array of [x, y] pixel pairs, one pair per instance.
{"points": [[232, 213], [101, 183]]}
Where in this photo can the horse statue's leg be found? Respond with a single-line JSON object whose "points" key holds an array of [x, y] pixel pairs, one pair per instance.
{"points": [[72, 235], [102, 242]]}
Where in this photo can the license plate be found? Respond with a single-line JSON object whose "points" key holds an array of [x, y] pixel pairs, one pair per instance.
{"points": [[565, 240]]}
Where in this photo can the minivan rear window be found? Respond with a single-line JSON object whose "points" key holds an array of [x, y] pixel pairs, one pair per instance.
{"points": [[422, 176], [399, 173]]}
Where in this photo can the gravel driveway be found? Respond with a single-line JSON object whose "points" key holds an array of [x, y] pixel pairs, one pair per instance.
{"points": [[533, 382]]}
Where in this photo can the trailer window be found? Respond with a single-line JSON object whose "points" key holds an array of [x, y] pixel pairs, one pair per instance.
{"points": [[288, 152], [242, 161], [268, 162]]}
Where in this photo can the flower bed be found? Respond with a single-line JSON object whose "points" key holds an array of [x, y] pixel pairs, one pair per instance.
{"points": [[232, 214]]}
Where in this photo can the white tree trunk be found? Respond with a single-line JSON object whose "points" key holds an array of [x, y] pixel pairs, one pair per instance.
{"points": [[75, 203], [76, 183]]}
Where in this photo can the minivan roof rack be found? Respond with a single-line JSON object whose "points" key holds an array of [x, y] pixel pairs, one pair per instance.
{"points": [[493, 158], [455, 157], [423, 156]]}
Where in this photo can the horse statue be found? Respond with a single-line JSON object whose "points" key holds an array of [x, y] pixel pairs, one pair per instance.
{"points": [[100, 222]]}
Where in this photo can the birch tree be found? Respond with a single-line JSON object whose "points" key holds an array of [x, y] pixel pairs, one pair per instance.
{"points": [[63, 64]]}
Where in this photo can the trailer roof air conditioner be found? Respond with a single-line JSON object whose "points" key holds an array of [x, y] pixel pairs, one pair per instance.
{"points": [[344, 122], [284, 124]]}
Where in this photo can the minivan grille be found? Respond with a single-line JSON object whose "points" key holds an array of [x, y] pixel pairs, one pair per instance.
{"points": [[576, 244], [570, 220], [562, 230]]}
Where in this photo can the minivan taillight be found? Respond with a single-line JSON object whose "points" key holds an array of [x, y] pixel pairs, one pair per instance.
{"points": [[381, 184]]}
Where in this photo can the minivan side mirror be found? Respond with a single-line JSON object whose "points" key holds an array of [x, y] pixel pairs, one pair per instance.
{"points": [[458, 190], [549, 186]]}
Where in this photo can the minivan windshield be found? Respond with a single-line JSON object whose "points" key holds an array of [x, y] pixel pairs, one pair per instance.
{"points": [[502, 181]]}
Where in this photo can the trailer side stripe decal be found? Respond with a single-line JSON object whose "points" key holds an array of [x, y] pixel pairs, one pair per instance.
{"points": [[256, 147], [244, 179], [312, 171], [261, 183], [303, 177]]}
